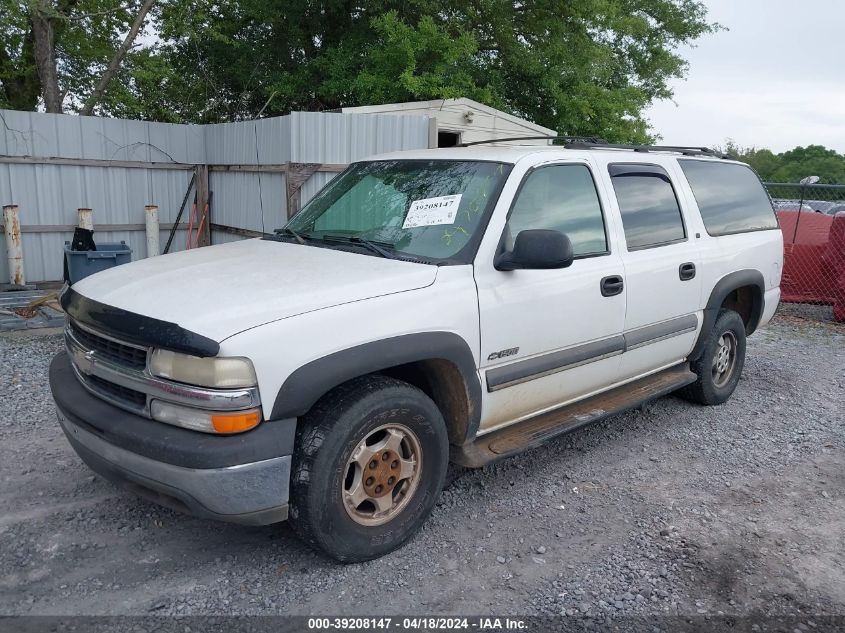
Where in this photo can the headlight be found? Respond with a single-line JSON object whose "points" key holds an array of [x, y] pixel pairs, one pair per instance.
{"points": [[207, 421], [220, 373]]}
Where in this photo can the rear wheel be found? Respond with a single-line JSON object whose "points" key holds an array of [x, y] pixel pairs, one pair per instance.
{"points": [[720, 365], [369, 464]]}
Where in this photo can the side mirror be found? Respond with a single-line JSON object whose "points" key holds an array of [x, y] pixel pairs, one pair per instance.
{"points": [[537, 249]]}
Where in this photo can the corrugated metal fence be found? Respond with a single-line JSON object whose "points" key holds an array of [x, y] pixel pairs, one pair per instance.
{"points": [[51, 165]]}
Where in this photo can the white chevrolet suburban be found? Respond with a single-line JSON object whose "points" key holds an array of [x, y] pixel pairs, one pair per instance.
{"points": [[457, 304]]}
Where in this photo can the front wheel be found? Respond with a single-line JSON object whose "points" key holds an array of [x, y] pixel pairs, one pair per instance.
{"points": [[369, 464], [720, 364]]}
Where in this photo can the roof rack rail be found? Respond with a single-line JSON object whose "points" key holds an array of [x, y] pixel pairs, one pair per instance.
{"points": [[680, 149], [567, 139], [594, 142]]}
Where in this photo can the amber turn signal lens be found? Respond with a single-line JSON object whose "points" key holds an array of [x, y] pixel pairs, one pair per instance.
{"points": [[235, 422]]}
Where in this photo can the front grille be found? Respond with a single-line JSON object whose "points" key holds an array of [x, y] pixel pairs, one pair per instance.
{"points": [[108, 350], [118, 352], [117, 392]]}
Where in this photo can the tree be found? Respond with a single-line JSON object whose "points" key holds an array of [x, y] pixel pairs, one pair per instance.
{"points": [[813, 160], [582, 67], [793, 165], [64, 53], [579, 66], [117, 59]]}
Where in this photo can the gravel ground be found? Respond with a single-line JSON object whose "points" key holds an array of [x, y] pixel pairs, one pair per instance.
{"points": [[669, 509]]}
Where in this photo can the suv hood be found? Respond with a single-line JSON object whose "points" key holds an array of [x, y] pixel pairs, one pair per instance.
{"points": [[218, 291]]}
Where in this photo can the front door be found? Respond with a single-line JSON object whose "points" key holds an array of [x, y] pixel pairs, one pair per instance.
{"points": [[551, 336]]}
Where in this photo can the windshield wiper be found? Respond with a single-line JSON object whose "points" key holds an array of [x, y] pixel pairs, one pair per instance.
{"points": [[376, 247], [287, 231]]}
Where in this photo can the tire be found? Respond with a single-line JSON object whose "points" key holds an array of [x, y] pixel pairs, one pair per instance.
{"points": [[712, 386], [344, 436]]}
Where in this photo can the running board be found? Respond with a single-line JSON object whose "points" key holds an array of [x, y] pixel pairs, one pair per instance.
{"points": [[540, 429]]}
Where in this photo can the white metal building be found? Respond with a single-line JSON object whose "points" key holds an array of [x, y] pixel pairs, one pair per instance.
{"points": [[455, 121]]}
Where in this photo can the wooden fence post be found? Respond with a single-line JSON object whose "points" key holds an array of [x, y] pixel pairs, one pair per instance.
{"points": [[296, 175]]}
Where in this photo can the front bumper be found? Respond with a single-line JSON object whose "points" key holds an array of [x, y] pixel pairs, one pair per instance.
{"points": [[242, 479]]}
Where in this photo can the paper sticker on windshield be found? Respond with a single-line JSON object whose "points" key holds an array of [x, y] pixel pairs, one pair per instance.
{"points": [[432, 211]]}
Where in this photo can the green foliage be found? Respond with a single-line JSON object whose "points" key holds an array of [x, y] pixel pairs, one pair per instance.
{"points": [[86, 34], [578, 66], [19, 87], [425, 61], [147, 88], [793, 165]]}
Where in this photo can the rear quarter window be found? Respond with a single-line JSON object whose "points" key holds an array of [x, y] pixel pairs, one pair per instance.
{"points": [[731, 197]]}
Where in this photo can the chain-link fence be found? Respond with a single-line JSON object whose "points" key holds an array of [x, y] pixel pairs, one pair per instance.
{"points": [[812, 218]]}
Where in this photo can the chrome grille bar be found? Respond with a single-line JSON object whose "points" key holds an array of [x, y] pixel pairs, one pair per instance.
{"points": [[110, 347]]}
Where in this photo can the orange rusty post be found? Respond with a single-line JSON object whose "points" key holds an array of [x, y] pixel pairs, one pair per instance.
{"points": [[14, 249], [203, 211]]}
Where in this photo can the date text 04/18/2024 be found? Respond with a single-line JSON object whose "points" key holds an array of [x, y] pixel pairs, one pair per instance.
{"points": [[416, 623]]}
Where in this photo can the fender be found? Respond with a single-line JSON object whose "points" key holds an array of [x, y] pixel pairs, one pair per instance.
{"points": [[310, 382], [721, 290]]}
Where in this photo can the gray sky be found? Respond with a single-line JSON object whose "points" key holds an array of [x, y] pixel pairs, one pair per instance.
{"points": [[776, 79]]}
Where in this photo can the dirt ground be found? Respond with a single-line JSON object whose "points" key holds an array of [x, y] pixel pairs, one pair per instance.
{"points": [[669, 509]]}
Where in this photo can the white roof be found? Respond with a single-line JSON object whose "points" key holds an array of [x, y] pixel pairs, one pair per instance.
{"points": [[440, 104]]}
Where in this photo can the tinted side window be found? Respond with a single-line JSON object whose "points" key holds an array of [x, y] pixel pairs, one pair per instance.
{"points": [[564, 198], [650, 212], [730, 197]]}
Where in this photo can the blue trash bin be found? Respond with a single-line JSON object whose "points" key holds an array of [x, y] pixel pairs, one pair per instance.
{"points": [[80, 264]]}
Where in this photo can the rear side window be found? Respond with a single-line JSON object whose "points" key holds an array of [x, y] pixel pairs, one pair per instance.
{"points": [[651, 215], [730, 197]]}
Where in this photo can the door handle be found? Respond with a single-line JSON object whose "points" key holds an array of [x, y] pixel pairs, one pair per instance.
{"points": [[686, 271], [611, 285]]}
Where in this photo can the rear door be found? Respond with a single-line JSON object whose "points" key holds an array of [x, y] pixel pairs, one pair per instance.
{"points": [[549, 336], [662, 268]]}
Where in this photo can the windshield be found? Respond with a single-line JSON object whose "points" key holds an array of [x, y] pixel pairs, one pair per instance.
{"points": [[432, 209]]}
